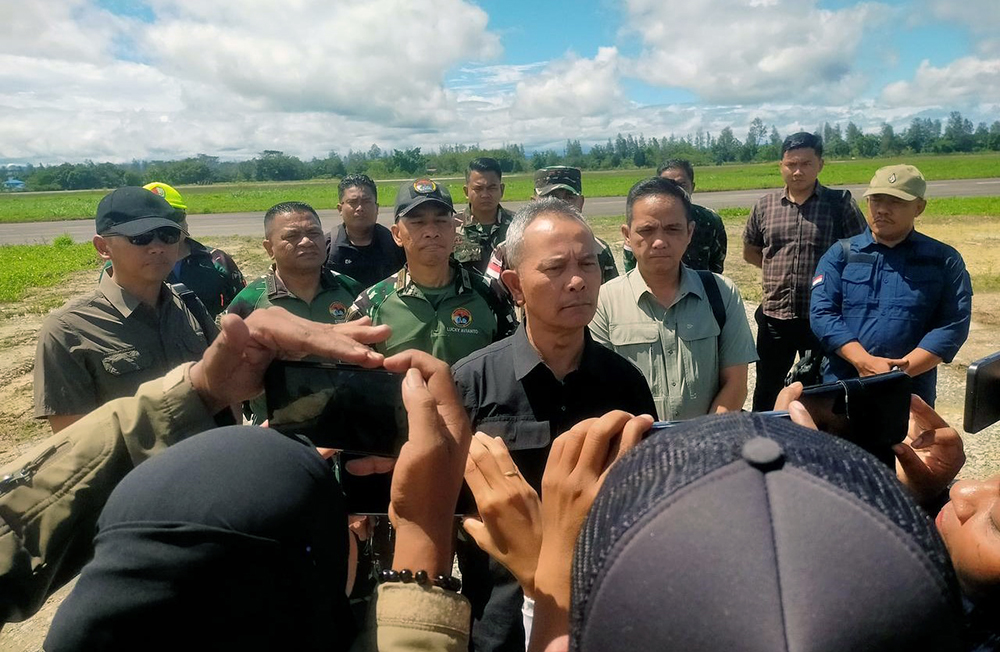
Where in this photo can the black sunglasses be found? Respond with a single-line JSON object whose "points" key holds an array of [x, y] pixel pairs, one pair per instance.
{"points": [[164, 234]]}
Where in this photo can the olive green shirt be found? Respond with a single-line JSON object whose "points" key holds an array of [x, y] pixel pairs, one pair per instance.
{"points": [[329, 306], [449, 322], [103, 346], [680, 349]]}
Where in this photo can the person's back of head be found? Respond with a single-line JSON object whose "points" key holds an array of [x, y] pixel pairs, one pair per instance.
{"points": [[746, 532]]}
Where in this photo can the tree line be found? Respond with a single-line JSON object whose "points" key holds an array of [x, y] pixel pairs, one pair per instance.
{"points": [[761, 144]]}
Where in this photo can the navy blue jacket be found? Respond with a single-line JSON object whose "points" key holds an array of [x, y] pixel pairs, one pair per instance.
{"points": [[891, 300]]}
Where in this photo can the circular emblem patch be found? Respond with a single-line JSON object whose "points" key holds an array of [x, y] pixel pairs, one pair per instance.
{"points": [[338, 311], [424, 186], [159, 191], [461, 317]]}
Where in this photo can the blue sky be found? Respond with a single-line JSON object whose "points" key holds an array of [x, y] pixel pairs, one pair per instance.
{"points": [[120, 79]]}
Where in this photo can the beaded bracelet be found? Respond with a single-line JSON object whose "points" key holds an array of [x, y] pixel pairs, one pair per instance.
{"points": [[446, 582]]}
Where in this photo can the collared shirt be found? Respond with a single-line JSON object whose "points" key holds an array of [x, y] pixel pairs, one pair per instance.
{"points": [[211, 274], [105, 345], [707, 249], [680, 349], [794, 237], [448, 322], [475, 242], [368, 264], [892, 300], [509, 392], [329, 306]]}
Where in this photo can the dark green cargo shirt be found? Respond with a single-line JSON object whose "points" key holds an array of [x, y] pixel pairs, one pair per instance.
{"points": [[708, 244], [103, 346], [475, 242], [449, 322], [329, 306]]}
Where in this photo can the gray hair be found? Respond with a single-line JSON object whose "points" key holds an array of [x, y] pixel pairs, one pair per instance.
{"points": [[514, 244]]}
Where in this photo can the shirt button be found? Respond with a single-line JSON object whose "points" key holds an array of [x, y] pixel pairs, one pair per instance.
{"points": [[885, 280], [562, 407], [673, 384]]}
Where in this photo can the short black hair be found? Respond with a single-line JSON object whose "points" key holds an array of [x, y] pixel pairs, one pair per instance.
{"points": [[356, 181], [802, 140], [287, 207], [484, 164], [677, 164], [656, 186]]}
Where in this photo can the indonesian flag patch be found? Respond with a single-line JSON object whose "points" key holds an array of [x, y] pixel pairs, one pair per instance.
{"points": [[818, 280]]}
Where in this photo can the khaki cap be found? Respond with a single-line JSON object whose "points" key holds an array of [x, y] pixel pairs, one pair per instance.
{"points": [[903, 181]]}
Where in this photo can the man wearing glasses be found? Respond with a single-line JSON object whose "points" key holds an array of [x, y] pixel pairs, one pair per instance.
{"points": [[132, 329]]}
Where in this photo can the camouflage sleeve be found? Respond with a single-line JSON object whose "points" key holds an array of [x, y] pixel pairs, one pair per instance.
{"points": [[245, 302], [607, 261], [363, 305], [500, 303], [628, 258], [721, 245]]}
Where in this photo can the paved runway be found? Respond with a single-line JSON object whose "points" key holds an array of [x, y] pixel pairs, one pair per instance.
{"points": [[252, 223]]}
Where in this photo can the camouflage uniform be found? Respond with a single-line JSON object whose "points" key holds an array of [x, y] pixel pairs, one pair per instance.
{"points": [[449, 322], [475, 242], [708, 244], [211, 274]]}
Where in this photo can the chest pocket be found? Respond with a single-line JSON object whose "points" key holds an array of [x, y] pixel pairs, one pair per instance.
{"points": [[125, 361], [922, 287], [857, 287], [518, 434], [640, 343]]}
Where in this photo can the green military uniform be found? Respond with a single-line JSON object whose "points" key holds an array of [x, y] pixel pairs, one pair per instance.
{"points": [[708, 244], [449, 322], [329, 306], [606, 260], [475, 242], [103, 346]]}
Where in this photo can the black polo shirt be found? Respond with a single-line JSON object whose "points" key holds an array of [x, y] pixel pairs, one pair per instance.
{"points": [[369, 264], [510, 393]]}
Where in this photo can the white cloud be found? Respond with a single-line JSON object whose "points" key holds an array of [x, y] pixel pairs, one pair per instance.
{"points": [[981, 17], [573, 87], [731, 51], [965, 81], [72, 30]]}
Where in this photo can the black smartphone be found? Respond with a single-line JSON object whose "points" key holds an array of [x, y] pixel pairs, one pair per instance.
{"points": [[369, 494], [982, 393], [872, 412], [339, 406]]}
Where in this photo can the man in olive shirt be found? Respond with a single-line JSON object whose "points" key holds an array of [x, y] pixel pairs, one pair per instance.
{"points": [[133, 328], [660, 315], [709, 242], [433, 304], [483, 225]]}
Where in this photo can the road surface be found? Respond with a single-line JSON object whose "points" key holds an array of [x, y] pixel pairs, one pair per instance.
{"points": [[223, 224]]}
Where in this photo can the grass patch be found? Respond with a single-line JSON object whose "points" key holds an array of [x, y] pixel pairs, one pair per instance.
{"points": [[32, 266], [322, 194]]}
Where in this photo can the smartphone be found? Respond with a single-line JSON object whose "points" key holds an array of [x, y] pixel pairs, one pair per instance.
{"points": [[982, 393], [369, 494], [350, 408], [872, 412]]}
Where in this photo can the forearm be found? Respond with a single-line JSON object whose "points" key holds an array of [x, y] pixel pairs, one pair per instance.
{"points": [[753, 255], [921, 361], [732, 392], [853, 352], [552, 601]]}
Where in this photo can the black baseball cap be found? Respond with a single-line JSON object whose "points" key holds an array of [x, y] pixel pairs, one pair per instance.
{"points": [[419, 192], [746, 532], [558, 176], [132, 211]]}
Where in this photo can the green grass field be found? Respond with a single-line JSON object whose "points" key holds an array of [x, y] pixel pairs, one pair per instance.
{"points": [[33, 266], [238, 198]]}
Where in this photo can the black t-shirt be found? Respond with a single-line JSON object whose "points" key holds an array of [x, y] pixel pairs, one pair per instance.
{"points": [[369, 264]]}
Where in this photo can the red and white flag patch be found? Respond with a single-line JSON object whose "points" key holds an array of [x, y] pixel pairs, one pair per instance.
{"points": [[818, 280]]}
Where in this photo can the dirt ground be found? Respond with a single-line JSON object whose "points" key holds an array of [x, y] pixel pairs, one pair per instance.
{"points": [[19, 325]]}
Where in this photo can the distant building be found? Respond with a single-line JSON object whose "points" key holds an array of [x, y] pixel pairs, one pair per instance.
{"points": [[14, 185]]}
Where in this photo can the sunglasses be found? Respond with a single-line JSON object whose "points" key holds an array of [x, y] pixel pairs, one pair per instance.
{"points": [[164, 234]]}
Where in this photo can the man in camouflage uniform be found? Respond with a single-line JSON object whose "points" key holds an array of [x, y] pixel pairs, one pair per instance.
{"points": [[708, 244], [483, 225], [298, 280], [211, 274], [433, 303], [565, 183]]}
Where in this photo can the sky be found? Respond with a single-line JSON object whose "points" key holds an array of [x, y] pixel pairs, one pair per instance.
{"points": [[117, 80]]}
